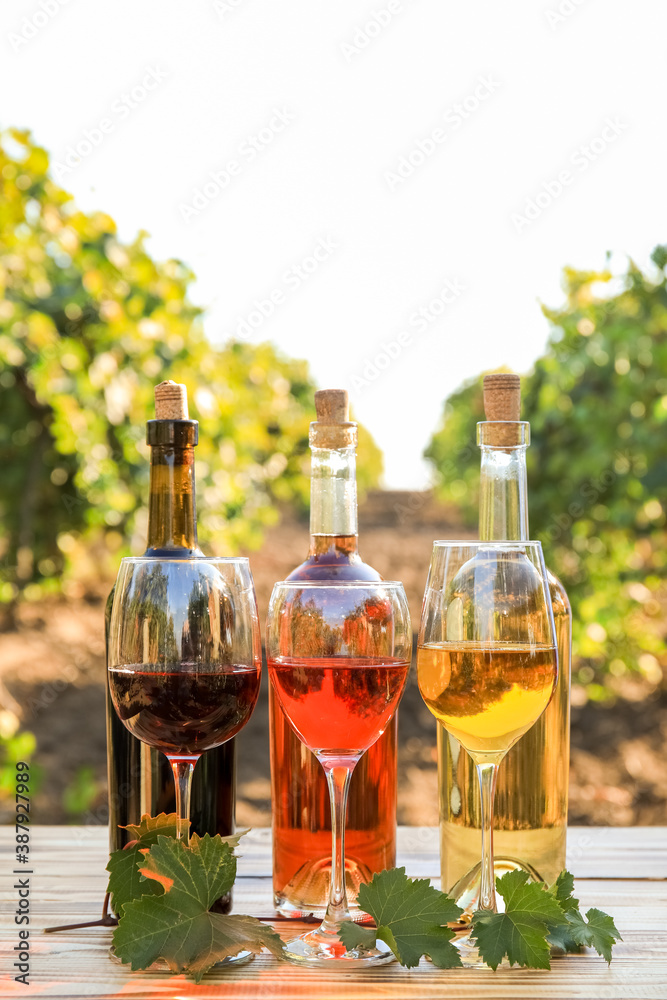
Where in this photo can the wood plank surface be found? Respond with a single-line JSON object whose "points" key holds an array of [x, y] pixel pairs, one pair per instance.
{"points": [[623, 871]]}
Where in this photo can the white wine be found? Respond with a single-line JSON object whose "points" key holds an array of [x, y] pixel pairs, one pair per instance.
{"points": [[487, 695]]}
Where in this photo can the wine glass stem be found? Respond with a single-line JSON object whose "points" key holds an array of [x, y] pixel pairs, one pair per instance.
{"points": [[338, 779], [183, 768], [487, 774]]}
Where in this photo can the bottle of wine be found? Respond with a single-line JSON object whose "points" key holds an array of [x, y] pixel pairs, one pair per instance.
{"points": [[300, 798], [140, 778], [531, 794]]}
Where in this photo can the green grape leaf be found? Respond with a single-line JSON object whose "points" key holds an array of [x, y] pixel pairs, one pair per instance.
{"points": [[561, 939], [563, 889], [597, 930], [355, 935], [561, 936], [520, 933], [125, 880], [150, 827], [536, 917], [177, 924], [409, 914]]}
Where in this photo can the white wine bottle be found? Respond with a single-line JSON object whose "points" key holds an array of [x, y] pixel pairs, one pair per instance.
{"points": [[531, 795]]}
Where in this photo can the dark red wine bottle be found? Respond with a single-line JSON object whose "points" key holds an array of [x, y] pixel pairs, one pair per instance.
{"points": [[140, 778]]}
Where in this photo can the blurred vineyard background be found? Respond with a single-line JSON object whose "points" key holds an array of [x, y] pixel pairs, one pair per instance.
{"points": [[88, 325]]}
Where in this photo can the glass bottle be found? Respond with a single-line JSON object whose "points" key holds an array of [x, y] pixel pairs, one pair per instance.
{"points": [[532, 791], [140, 778], [300, 798]]}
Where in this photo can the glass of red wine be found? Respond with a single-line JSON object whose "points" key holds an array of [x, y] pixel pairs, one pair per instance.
{"points": [[338, 654], [184, 657]]}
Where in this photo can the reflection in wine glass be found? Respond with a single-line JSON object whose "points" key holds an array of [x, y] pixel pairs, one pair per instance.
{"points": [[184, 656], [338, 656], [486, 661]]}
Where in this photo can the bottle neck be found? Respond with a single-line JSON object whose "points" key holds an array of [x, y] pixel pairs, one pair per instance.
{"points": [[503, 497], [172, 519], [333, 498]]}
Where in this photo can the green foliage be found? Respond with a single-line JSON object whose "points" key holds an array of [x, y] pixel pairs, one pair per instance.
{"points": [[81, 792], [125, 880], [177, 924], [409, 914], [597, 930], [15, 746], [88, 325], [520, 933], [537, 918], [597, 471]]}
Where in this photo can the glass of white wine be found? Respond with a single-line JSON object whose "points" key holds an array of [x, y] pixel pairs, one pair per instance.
{"points": [[487, 662]]}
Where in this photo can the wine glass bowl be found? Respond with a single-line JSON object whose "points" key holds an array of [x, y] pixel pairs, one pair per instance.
{"points": [[338, 654], [184, 658], [486, 665], [336, 675]]}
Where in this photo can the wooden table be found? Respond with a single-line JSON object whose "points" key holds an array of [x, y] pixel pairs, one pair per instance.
{"points": [[622, 871]]}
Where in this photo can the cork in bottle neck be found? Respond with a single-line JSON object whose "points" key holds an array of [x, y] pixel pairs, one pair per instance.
{"points": [[172, 424], [333, 430], [171, 401], [503, 427]]}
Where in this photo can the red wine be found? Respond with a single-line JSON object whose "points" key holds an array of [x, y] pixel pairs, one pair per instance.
{"points": [[184, 710], [339, 705]]}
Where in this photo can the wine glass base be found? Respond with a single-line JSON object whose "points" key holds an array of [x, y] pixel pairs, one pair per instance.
{"points": [[307, 892], [319, 950], [160, 965], [467, 949], [467, 890]]}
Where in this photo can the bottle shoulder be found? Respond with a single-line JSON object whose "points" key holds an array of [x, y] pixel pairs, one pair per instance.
{"points": [[107, 609], [316, 568], [559, 598]]}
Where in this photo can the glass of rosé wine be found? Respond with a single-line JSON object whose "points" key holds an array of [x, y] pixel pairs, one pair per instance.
{"points": [[184, 657], [338, 654], [487, 663]]}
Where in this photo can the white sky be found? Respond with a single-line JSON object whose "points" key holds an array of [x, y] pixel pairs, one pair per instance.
{"points": [[347, 116]]}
